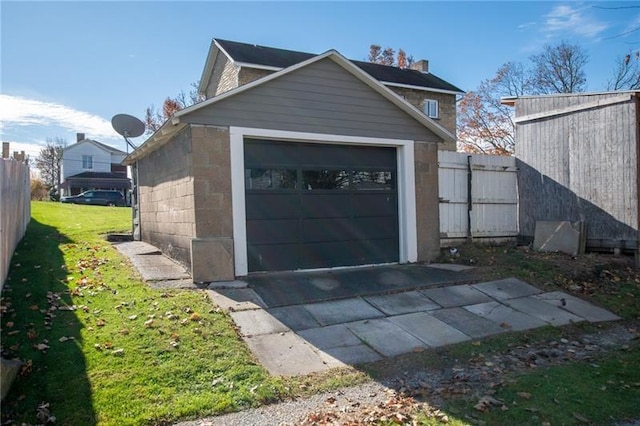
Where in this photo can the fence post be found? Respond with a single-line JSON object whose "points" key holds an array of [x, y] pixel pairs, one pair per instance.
{"points": [[469, 199]]}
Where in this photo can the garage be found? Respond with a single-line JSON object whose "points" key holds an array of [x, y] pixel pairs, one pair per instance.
{"points": [[312, 205]]}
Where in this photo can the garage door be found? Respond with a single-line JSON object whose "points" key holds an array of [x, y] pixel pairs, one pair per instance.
{"points": [[319, 206]]}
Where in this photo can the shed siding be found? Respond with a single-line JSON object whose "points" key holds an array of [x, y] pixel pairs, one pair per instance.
{"points": [[166, 197], [580, 166], [319, 98]]}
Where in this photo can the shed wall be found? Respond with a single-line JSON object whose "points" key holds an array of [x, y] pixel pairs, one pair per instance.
{"points": [[580, 166], [319, 98], [166, 197]]}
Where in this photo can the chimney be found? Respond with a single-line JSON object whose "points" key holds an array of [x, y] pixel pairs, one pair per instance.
{"points": [[79, 137], [421, 65], [5, 149]]}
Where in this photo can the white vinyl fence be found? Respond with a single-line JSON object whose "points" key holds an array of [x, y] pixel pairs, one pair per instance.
{"points": [[15, 209], [478, 197]]}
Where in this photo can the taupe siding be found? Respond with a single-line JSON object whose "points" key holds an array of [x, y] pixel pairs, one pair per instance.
{"points": [[167, 197], [580, 166], [319, 98]]}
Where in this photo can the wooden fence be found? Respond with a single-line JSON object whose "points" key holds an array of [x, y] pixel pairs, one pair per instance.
{"points": [[478, 197], [15, 209]]}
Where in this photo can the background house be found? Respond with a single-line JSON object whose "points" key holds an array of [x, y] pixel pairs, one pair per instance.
{"points": [[316, 165], [232, 64], [578, 161], [89, 164]]}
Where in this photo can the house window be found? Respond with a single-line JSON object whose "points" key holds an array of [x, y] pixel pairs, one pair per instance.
{"points": [[87, 161], [431, 108]]}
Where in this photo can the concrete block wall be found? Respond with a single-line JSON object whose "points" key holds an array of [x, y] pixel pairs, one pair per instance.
{"points": [[427, 201], [223, 78], [166, 198], [212, 247], [15, 210], [247, 75], [446, 108]]}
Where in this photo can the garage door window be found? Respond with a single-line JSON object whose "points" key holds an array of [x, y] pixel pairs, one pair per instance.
{"points": [[373, 180], [325, 179], [257, 179]]}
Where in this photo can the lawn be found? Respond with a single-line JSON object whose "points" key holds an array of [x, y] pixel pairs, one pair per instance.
{"points": [[101, 347]]}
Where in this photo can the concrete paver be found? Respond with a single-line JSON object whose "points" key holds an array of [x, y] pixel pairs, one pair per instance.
{"points": [[332, 336], [543, 310], [349, 355], [467, 322], [295, 317], [367, 324], [339, 311], [429, 329], [286, 354], [509, 288], [507, 317], [451, 267], [257, 322], [402, 303], [457, 295], [236, 299], [577, 306], [385, 337]]}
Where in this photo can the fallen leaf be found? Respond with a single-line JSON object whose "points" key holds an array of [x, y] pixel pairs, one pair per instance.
{"points": [[100, 323], [194, 317], [118, 352], [41, 347], [65, 338], [10, 324], [525, 395], [132, 317], [581, 418], [34, 307], [148, 323]]}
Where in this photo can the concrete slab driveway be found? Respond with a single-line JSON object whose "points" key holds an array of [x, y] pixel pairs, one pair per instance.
{"points": [[297, 334]]}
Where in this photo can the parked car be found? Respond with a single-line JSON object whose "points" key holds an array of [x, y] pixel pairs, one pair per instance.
{"points": [[97, 198]]}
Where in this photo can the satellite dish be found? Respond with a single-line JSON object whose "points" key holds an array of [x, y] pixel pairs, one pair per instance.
{"points": [[127, 125]]}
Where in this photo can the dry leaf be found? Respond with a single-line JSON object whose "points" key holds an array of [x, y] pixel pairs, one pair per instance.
{"points": [[581, 418], [148, 323], [525, 395], [118, 352], [41, 347]]}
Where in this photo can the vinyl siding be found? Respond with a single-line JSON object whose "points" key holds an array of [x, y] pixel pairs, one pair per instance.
{"points": [[319, 98]]}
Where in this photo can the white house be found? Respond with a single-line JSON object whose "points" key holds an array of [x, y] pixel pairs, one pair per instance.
{"points": [[89, 164]]}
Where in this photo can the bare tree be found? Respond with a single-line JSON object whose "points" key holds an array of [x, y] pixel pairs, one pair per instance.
{"points": [[485, 125], [388, 57], [49, 162], [559, 69], [153, 119], [626, 75]]}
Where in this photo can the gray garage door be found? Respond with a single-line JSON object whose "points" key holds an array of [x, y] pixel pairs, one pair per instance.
{"points": [[318, 206]]}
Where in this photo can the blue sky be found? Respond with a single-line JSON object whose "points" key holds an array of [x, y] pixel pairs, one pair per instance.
{"points": [[68, 67]]}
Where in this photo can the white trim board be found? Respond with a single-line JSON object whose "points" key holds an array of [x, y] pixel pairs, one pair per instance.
{"points": [[408, 250]]}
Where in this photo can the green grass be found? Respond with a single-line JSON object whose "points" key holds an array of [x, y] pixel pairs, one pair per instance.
{"points": [[599, 392], [124, 354], [129, 355]]}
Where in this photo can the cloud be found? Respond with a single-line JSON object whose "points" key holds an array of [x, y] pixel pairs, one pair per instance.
{"points": [[570, 20], [22, 112]]}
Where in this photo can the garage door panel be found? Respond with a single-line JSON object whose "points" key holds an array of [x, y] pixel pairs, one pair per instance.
{"points": [[378, 204], [319, 205], [324, 205], [273, 231], [326, 255], [334, 229], [374, 228], [270, 205], [272, 257], [377, 251]]}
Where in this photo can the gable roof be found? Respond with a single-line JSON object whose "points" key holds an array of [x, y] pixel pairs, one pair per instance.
{"points": [[271, 58], [100, 145], [174, 124]]}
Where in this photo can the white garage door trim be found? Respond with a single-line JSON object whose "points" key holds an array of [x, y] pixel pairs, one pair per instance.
{"points": [[406, 185]]}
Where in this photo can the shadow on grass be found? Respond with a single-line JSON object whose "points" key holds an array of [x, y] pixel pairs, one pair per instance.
{"points": [[45, 337]]}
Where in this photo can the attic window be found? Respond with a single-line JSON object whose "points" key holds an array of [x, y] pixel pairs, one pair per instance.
{"points": [[87, 161], [431, 108]]}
